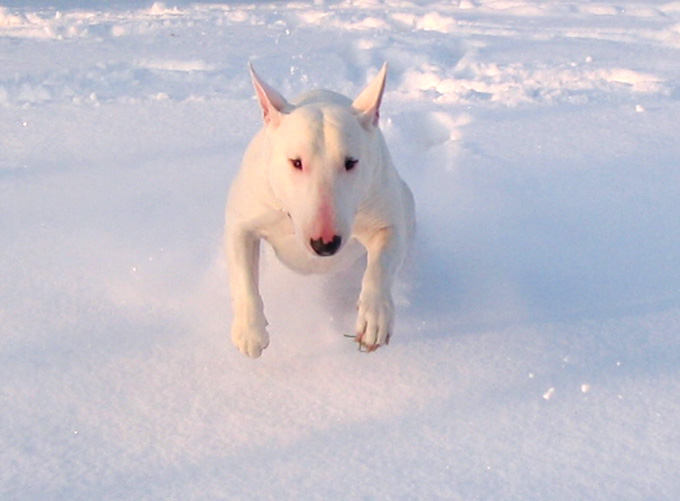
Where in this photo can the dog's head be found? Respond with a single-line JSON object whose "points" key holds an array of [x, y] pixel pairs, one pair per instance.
{"points": [[324, 160]]}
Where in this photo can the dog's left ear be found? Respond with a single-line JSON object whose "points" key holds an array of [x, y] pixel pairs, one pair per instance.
{"points": [[273, 104], [368, 102]]}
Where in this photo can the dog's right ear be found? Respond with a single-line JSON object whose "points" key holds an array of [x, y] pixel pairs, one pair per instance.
{"points": [[273, 105]]}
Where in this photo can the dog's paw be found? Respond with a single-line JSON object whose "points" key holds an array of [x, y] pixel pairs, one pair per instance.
{"points": [[374, 320], [250, 338]]}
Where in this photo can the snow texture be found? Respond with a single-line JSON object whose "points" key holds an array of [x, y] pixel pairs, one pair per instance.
{"points": [[537, 350]]}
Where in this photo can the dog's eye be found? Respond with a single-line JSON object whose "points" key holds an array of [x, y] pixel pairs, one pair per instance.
{"points": [[350, 163], [296, 163]]}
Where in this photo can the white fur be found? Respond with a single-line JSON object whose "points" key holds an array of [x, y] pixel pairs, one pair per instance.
{"points": [[290, 204]]}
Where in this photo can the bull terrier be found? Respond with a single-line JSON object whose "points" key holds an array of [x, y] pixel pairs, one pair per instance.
{"points": [[318, 184]]}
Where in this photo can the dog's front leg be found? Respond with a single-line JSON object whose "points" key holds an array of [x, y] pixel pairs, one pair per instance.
{"points": [[248, 330], [375, 318]]}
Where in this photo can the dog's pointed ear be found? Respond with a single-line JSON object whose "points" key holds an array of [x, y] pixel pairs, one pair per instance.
{"points": [[273, 105], [368, 102]]}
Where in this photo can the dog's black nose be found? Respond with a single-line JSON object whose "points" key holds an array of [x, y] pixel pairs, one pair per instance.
{"points": [[326, 248]]}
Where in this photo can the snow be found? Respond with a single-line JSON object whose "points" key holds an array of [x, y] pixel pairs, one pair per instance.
{"points": [[536, 352]]}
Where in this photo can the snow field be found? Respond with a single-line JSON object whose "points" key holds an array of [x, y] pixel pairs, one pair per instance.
{"points": [[536, 353]]}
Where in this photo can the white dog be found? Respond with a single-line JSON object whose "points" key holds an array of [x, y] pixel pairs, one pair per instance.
{"points": [[318, 184]]}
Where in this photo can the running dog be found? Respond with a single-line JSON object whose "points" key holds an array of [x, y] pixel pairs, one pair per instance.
{"points": [[317, 183]]}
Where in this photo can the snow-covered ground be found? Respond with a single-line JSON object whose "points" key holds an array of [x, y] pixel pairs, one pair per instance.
{"points": [[537, 349]]}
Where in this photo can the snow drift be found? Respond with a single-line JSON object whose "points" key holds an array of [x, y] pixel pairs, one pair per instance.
{"points": [[536, 353]]}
